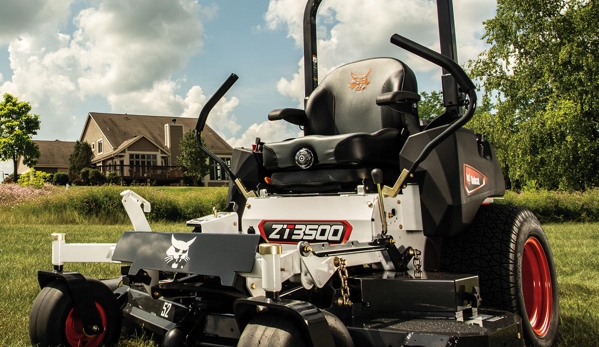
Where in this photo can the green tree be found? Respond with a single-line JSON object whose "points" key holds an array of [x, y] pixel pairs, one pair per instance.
{"points": [[80, 159], [541, 72], [17, 127], [192, 161], [430, 105]]}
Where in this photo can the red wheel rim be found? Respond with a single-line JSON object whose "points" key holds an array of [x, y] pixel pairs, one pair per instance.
{"points": [[74, 329], [537, 286]]}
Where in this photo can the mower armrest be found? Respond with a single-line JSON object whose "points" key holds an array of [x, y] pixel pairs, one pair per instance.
{"points": [[291, 115], [397, 97]]}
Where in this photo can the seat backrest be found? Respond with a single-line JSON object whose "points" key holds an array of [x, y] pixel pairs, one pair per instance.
{"points": [[345, 101]]}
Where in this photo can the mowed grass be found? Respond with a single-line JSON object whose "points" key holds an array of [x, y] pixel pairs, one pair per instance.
{"points": [[576, 252], [25, 249]]}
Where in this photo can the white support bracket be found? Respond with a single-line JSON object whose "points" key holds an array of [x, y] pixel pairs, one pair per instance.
{"points": [[132, 203], [80, 252]]}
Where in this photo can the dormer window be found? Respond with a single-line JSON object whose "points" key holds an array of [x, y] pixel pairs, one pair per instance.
{"points": [[100, 149]]}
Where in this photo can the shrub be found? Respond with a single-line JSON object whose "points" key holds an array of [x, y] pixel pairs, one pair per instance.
{"points": [[558, 206], [84, 175], [60, 179], [34, 178], [102, 205], [113, 177], [96, 177], [92, 177]]}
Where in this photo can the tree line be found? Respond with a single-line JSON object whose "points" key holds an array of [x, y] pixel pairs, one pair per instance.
{"points": [[540, 84], [540, 98]]}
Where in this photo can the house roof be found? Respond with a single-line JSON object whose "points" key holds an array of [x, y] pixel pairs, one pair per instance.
{"points": [[54, 153], [119, 128], [122, 148]]}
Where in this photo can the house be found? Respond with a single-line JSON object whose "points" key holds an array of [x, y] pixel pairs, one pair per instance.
{"points": [[54, 156], [140, 148], [144, 148]]}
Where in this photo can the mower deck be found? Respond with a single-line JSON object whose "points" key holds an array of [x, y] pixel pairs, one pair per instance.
{"points": [[416, 311]]}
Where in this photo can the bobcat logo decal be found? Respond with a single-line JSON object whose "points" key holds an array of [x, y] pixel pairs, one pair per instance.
{"points": [[176, 255], [359, 81]]}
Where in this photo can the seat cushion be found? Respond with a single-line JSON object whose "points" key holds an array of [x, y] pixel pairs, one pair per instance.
{"points": [[379, 148]]}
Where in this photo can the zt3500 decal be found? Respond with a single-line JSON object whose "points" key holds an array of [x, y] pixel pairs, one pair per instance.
{"points": [[296, 231]]}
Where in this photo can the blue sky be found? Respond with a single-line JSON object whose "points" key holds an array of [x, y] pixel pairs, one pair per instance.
{"points": [[157, 57]]}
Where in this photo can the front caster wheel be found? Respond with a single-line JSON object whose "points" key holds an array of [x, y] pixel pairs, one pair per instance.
{"points": [[507, 248], [54, 321], [270, 330]]}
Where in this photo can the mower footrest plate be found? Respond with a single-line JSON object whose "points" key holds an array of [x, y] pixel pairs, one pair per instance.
{"points": [[429, 294]]}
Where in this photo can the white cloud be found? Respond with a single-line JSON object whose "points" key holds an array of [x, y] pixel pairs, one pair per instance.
{"points": [[30, 17], [293, 88], [287, 13], [267, 132], [194, 101], [125, 52], [221, 118], [470, 28], [125, 46], [162, 99], [350, 30]]}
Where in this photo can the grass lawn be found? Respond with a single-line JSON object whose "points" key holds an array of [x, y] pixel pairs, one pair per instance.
{"points": [[25, 249]]}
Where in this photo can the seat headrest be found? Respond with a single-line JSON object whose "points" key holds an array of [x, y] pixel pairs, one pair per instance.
{"points": [[345, 100]]}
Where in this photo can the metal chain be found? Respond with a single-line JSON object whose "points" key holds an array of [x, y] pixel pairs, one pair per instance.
{"points": [[342, 271], [417, 263]]}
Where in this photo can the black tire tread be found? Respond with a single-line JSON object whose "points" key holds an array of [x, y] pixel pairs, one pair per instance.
{"points": [[269, 330], [52, 305], [487, 249], [492, 248]]}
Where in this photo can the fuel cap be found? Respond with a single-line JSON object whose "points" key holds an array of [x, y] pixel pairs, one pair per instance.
{"points": [[304, 158]]}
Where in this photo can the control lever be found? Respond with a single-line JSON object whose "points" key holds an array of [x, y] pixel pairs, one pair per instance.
{"points": [[377, 178]]}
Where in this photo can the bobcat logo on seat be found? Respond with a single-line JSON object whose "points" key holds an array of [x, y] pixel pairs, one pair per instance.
{"points": [[359, 81]]}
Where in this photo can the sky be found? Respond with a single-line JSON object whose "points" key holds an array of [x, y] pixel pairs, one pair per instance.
{"points": [[167, 57]]}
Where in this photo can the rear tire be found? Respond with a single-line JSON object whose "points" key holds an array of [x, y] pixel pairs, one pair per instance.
{"points": [[269, 330], [53, 321], [507, 248]]}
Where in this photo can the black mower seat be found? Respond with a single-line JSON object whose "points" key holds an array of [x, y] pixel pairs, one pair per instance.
{"points": [[344, 126]]}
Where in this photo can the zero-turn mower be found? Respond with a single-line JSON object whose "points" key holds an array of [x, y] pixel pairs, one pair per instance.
{"points": [[372, 229]]}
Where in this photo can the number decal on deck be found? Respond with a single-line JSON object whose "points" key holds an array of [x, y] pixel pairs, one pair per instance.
{"points": [[166, 308]]}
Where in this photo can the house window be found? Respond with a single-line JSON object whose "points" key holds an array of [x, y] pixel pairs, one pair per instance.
{"points": [[216, 172], [140, 164], [100, 149], [143, 159], [93, 146]]}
